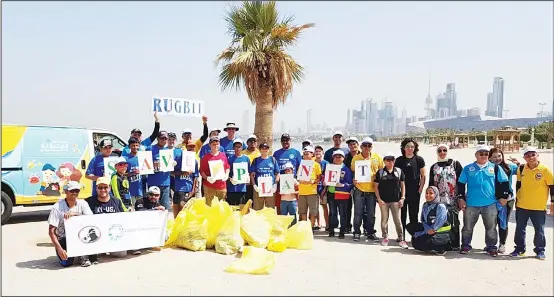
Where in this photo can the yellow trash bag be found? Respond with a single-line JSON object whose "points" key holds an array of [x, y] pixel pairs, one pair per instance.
{"points": [[300, 236], [217, 214], [193, 234], [278, 240], [176, 228], [229, 241], [253, 261], [255, 229]]}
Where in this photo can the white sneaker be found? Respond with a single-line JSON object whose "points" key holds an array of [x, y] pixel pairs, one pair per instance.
{"points": [[385, 242], [85, 262], [501, 249], [403, 244]]}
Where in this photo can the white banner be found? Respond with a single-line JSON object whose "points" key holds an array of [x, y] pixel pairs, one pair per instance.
{"points": [[178, 107], [265, 186], [114, 232], [217, 170]]}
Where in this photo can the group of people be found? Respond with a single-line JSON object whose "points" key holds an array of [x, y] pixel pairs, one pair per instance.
{"points": [[483, 187]]}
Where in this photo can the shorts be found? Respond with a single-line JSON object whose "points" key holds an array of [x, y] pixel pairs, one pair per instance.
{"points": [[181, 198], [250, 192], [310, 202], [260, 202], [323, 200], [236, 198], [210, 193]]}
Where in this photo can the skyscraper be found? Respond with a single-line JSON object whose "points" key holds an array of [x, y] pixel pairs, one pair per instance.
{"points": [[451, 98], [498, 95], [429, 102]]}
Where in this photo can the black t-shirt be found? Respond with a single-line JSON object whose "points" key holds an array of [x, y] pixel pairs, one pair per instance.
{"points": [[389, 184], [145, 204], [348, 159], [111, 206], [411, 168]]}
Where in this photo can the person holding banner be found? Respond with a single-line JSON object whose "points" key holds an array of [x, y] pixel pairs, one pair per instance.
{"points": [[214, 169], [95, 169], [187, 135], [264, 176], [63, 210], [161, 179], [340, 183], [185, 174], [135, 179], [320, 188], [239, 176], [309, 173], [228, 142], [364, 166], [136, 133]]}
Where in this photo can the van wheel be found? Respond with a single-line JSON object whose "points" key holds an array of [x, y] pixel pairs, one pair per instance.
{"points": [[7, 207]]}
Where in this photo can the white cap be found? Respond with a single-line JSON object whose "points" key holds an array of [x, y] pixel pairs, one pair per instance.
{"points": [[186, 131], [308, 148], [72, 185], [338, 152], [121, 160], [367, 140], [288, 165], [337, 133], [308, 141], [351, 139], [442, 145], [481, 148], [237, 140], [154, 190], [252, 136], [388, 155], [529, 149]]}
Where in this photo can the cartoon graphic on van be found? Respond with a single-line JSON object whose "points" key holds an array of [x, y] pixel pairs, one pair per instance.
{"points": [[50, 185], [34, 179], [67, 172]]}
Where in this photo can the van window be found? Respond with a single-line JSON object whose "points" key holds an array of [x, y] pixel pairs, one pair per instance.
{"points": [[117, 143]]}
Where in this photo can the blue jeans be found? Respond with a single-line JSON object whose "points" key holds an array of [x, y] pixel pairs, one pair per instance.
{"points": [[164, 197], [489, 215], [538, 218], [337, 208], [364, 210], [289, 208]]}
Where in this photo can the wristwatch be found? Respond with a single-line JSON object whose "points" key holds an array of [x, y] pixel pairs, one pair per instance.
{"points": [[402, 198]]}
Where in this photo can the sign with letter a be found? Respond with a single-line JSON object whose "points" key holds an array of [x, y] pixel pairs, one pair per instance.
{"points": [[363, 171], [332, 174], [240, 172], [146, 165], [286, 184], [305, 170]]}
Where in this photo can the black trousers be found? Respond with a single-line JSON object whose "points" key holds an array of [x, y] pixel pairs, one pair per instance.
{"points": [[426, 242], [454, 220], [337, 208], [410, 208], [503, 233]]}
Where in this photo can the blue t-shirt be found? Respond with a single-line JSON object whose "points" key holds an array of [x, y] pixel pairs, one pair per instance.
{"points": [[184, 183], [96, 167], [205, 149], [227, 145], [480, 183], [285, 156], [135, 181], [264, 167], [241, 188], [127, 151], [323, 165], [513, 171], [329, 153], [158, 178]]}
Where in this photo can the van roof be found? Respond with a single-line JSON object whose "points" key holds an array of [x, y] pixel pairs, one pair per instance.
{"points": [[63, 127]]}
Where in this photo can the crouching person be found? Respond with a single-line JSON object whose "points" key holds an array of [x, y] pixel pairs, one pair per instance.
{"points": [[151, 202], [64, 210], [433, 232]]}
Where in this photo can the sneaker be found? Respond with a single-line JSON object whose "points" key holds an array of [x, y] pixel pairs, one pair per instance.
{"points": [[341, 235], [540, 256], [356, 237], [315, 228], [398, 240], [95, 262], [440, 253], [348, 231], [331, 233], [501, 249], [327, 229], [465, 250], [137, 252], [85, 262], [456, 249], [403, 244], [366, 233], [385, 242], [493, 253], [372, 237], [517, 253]]}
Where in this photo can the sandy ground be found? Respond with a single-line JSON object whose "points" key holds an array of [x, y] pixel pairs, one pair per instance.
{"points": [[333, 267]]}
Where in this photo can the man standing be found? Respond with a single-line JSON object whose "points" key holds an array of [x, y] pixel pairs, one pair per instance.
{"points": [[186, 135], [486, 183], [185, 181], [321, 188], [95, 168], [337, 145], [136, 133], [534, 182], [236, 193], [64, 210], [284, 155], [160, 179], [364, 192], [352, 143], [214, 187], [227, 142], [264, 166], [135, 179], [252, 152]]}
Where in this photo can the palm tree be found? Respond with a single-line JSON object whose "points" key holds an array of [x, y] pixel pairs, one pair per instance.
{"points": [[257, 59]]}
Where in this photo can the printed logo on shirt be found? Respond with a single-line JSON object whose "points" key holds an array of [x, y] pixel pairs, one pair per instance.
{"points": [[491, 170], [291, 156], [471, 168], [89, 234], [538, 176]]}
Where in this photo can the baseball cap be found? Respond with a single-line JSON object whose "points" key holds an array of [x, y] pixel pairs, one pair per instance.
{"points": [[136, 130], [154, 190], [308, 148], [388, 155], [307, 141], [215, 130], [285, 136], [351, 139], [529, 149], [264, 145], [337, 133], [252, 137], [72, 185], [103, 180], [190, 143], [318, 147], [214, 138], [481, 148], [162, 134], [238, 140], [367, 140], [288, 165], [186, 131], [105, 143], [338, 152], [171, 135], [121, 160]]}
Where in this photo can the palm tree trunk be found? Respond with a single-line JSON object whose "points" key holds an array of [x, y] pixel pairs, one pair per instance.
{"points": [[263, 127]]}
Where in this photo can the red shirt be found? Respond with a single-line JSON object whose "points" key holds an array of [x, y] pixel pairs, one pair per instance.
{"points": [[205, 167]]}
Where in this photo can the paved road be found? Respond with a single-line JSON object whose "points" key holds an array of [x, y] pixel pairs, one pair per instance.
{"points": [[333, 267]]}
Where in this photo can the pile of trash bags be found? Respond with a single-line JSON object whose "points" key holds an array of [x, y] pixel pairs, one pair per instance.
{"points": [[254, 234]]}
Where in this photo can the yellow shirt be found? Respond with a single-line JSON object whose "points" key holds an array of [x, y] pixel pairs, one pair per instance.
{"points": [[376, 164], [252, 155], [534, 191], [197, 145], [305, 189]]}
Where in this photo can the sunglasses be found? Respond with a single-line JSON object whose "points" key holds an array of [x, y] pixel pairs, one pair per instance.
{"points": [[530, 155], [366, 145], [442, 151], [74, 191], [482, 154], [102, 187], [154, 195]]}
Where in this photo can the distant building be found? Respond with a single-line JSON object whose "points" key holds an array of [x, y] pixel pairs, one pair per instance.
{"points": [[495, 100]]}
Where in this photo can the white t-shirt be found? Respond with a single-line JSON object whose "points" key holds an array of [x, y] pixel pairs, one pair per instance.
{"points": [[60, 208]]}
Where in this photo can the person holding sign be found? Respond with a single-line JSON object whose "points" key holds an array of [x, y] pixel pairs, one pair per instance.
{"points": [[354, 149], [284, 155], [266, 169], [252, 152], [95, 169], [320, 188], [214, 169], [185, 175], [289, 203], [63, 210], [119, 183], [161, 179], [309, 174], [187, 135], [364, 166], [338, 195], [135, 179], [205, 149], [143, 144], [239, 177]]}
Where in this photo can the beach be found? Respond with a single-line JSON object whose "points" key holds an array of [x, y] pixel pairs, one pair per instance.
{"points": [[333, 267]]}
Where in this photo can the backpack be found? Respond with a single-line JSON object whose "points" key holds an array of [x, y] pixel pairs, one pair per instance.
{"points": [[397, 173]]}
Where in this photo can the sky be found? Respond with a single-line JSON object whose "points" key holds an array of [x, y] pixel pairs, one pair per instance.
{"points": [[98, 64]]}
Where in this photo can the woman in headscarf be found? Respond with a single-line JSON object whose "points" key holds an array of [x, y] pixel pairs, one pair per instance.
{"points": [[433, 232], [444, 175]]}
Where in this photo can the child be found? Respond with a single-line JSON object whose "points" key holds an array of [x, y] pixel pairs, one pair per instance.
{"points": [[120, 183], [307, 199], [338, 196], [185, 181], [289, 204], [151, 202]]}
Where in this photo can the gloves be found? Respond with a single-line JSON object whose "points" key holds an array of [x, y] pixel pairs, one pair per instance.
{"points": [[256, 188], [233, 181], [225, 178], [210, 179], [274, 189]]}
